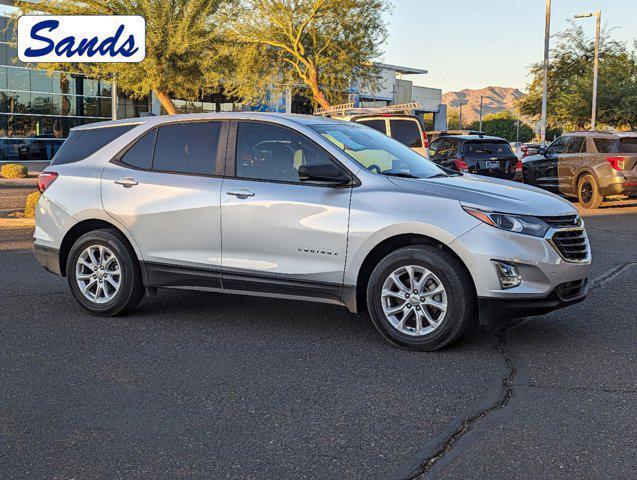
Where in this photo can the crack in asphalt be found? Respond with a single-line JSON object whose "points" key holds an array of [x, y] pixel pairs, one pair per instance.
{"points": [[576, 389], [507, 384], [611, 274]]}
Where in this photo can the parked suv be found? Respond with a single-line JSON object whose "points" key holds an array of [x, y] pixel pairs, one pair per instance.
{"points": [[586, 165], [479, 154], [305, 208]]}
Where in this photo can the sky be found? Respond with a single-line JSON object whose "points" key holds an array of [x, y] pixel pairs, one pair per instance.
{"points": [[480, 43]]}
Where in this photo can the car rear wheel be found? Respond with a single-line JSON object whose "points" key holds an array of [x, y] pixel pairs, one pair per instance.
{"points": [[103, 273], [588, 192], [420, 298]]}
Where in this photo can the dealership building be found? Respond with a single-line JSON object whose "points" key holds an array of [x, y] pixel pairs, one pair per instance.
{"points": [[38, 109]]}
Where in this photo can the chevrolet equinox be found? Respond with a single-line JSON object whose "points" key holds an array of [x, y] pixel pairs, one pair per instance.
{"points": [[302, 207]]}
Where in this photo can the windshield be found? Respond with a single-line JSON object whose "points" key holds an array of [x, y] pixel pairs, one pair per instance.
{"points": [[377, 152]]}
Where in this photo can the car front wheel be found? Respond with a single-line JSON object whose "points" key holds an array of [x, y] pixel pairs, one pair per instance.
{"points": [[103, 273], [420, 298]]}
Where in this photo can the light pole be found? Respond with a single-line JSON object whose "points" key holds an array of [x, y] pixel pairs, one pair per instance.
{"points": [[481, 97], [547, 36], [460, 104], [598, 22]]}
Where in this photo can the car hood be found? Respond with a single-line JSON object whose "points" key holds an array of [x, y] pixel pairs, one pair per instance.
{"points": [[490, 193]]}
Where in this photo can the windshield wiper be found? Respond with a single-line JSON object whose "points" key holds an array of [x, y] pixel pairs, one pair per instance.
{"points": [[439, 175], [400, 174]]}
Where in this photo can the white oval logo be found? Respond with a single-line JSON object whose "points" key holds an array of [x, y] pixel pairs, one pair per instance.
{"points": [[81, 38]]}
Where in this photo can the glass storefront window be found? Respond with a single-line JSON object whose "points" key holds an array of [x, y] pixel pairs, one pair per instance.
{"points": [[41, 82], [3, 77], [105, 107], [105, 88], [91, 87], [43, 104], [18, 79], [15, 102]]}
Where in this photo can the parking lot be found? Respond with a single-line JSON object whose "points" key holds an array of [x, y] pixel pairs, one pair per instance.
{"points": [[199, 385]]}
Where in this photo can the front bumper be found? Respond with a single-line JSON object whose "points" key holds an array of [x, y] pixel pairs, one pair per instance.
{"points": [[543, 270], [493, 310]]}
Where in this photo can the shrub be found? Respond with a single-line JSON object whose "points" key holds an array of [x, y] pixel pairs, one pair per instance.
{"points": [[29, 208], [13, 170]]}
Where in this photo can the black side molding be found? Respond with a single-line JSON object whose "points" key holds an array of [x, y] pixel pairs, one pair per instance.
{"points": [[166, 275]]}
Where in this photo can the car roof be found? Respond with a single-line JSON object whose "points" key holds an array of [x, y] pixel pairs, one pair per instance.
{"points": [[473, 137], [283, 118], [588, 133]]}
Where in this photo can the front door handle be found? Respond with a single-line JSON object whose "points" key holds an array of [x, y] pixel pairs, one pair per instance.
{"points": [[126, 182], [241, 193]]}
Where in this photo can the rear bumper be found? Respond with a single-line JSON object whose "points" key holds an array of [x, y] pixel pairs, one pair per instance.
{"points": [[48, 257], [493, 310]]}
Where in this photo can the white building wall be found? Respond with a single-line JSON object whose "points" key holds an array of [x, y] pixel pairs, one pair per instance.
{"points": [[430, 98]]}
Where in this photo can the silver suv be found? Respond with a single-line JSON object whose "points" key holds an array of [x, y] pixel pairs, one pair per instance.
{"points": [[305, 208]]}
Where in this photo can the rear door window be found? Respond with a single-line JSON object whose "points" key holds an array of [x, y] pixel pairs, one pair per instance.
{"points": [[378, 124], [406, 132], [575, 145], [187, 148], [605, 145], [84, 143], [140, 155]]}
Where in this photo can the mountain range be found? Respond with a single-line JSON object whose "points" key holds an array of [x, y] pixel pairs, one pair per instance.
{"points": [[495, 99]]}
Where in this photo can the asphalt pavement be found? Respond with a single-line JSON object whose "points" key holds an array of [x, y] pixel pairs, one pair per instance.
{"points": [[199, 385]]}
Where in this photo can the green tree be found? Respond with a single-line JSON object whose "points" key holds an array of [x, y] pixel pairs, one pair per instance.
{"points": [[320, 44], [570, 85], [183, 46], [504, 124]]}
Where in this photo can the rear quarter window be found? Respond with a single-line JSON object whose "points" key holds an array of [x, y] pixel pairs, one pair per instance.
{"points": [[378, 125], [406, 132], [84, 143], [628, 145]]}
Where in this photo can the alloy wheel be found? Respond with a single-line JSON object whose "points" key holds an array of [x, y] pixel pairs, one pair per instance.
{"points": [[414, 300], [98, 274]]}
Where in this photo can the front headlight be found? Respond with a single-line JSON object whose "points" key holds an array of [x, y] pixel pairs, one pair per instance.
{"points": [[513, 223]]}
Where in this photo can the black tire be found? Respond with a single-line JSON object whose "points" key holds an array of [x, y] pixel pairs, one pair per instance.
{"points": [[131, 287], [588, 192], [454, 278]]}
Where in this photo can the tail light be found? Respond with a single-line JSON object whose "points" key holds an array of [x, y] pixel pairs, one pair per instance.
{"points": [[45, 179], [617, 163], [425, 139], [461, 165]]}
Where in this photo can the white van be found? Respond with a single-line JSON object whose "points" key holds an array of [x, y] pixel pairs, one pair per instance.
{"points": [[395, 121]]}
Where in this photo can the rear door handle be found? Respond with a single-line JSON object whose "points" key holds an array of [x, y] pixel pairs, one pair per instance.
{"points": [[126, 182], [241, 193]]}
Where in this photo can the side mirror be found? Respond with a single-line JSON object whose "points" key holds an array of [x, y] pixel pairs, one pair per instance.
{"points": [[542, 151], [323, 173]]}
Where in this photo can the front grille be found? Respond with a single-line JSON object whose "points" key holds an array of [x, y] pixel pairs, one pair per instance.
{"points": [[563, 221], [571, 244], [570, 290]]}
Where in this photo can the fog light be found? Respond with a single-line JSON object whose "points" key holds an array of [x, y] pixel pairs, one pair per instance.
{"points": [[508, 274]]}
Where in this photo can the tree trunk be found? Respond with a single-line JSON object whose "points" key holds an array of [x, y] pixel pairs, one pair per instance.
{"points": [[165, 101], [318, 94]]}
